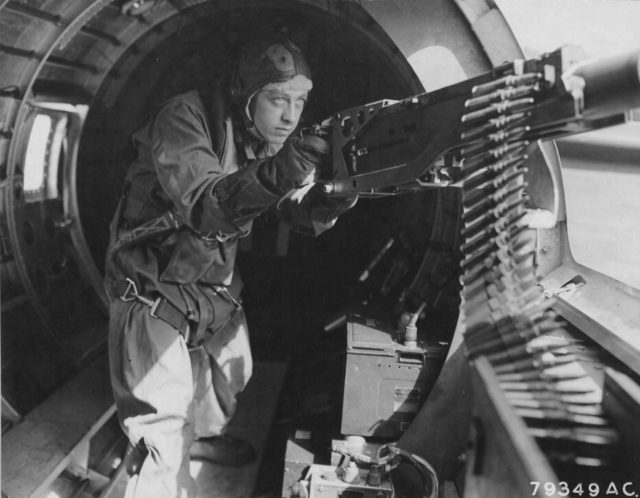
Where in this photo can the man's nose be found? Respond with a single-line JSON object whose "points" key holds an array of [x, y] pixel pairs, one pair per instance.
{"points": [[290, 113]]}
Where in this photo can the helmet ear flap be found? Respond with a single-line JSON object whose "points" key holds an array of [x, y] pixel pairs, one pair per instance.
{"points": [[235, 88]]}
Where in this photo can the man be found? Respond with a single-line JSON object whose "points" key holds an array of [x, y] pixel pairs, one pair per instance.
{"points": [[206, 166]]}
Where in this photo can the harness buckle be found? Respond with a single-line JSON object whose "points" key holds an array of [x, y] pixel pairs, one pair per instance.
{"points": [[167, 312], [225, 294], [131, 293], [154, 306]]}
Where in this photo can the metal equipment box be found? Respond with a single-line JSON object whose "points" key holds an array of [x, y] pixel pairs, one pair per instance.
{"points": [[326, 481], [386, 382]]}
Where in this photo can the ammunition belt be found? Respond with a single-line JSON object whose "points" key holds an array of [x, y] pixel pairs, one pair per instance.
{"points": [[508, 319]]}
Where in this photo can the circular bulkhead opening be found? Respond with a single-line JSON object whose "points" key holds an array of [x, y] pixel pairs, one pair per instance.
{"points": [[105, 74], [353, 62]]}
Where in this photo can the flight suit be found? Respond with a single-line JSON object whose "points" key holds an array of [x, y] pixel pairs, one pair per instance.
{"points": [[190, 194]]}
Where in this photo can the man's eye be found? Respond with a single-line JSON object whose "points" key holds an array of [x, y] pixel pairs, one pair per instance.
{"points": [[278, 100]]}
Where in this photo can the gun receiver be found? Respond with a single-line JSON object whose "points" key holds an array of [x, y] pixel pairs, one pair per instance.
{"points": [[388, 147]]}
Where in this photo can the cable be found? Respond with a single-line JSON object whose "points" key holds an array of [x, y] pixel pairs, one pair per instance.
{"points": [[390, 461], [426, 471]]}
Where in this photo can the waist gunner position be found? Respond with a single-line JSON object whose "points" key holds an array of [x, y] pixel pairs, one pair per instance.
{"points": [[207, 164]]}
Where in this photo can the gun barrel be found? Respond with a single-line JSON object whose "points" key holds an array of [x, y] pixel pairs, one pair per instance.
{"points": [[612, 85]]}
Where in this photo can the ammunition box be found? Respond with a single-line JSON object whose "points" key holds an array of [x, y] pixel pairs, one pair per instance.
{"points": [[385, 381]]}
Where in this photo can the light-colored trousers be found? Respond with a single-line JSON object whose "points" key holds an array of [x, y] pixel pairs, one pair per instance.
{"points": [[167, 394]]}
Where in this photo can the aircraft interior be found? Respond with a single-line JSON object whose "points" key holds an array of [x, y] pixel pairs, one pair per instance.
{"points": [[79, 77]]}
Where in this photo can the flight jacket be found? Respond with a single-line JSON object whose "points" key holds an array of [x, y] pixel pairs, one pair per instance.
{"points": [[188, 197]]}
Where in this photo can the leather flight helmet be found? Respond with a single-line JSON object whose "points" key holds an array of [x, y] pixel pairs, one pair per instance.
{"points": [[270, 60]]}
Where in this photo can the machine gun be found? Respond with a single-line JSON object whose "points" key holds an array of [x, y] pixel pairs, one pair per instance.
{"points": [[476, 135], [388, 147]]}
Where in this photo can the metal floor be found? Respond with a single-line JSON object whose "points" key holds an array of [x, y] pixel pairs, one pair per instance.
{"points": [[50, 453]]}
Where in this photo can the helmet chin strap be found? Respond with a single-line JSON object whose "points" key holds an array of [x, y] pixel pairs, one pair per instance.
{"points": [[297, 83], [248, 123], [260, 147], [255, 133], [259, 144]]}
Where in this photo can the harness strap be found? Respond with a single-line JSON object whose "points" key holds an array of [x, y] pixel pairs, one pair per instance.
{"points": [[158, 308]]}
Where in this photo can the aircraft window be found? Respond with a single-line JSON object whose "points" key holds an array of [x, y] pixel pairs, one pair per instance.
{"points": [[436, 67], [43, 156], [36, 158], [601, 176]]}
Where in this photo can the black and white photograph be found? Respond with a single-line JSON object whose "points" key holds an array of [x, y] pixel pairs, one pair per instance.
{"points": [[320, 248]]}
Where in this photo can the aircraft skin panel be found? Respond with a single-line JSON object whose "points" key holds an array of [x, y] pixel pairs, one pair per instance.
{"points": [[544, 25], [420, 26]]}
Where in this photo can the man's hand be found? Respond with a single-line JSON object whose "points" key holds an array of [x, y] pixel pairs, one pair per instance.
{"points": [[337, 205], [295, 164]]}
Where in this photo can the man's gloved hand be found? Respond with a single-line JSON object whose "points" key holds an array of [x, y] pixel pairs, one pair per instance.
{"points": [[295, 164], [337, 205], [315, 211]]}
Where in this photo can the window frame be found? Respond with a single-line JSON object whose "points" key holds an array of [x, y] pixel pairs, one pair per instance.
{"points": [[605, 309]]}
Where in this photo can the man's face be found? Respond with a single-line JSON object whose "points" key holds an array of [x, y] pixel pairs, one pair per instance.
{"points": [[277, 112]]}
